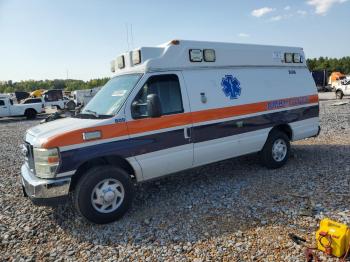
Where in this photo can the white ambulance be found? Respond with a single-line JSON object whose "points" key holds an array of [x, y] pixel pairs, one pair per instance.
{"points": [[170, 108]]}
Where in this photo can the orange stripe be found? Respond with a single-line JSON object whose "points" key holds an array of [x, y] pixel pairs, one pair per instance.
{"points": [[169, 121], [76, 136], [151, 124], [313, 99], [225, 112]]}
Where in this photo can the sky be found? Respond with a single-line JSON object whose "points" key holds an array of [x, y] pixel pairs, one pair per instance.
{"points": [[56, 39]]}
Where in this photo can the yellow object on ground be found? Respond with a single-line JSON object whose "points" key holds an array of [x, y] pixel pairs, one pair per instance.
{"points": [[333, 238]]}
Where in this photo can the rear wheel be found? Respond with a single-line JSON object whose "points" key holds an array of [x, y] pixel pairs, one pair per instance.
{"points": [[339, 94], [103, 194], [275, 152], [30, 113]]}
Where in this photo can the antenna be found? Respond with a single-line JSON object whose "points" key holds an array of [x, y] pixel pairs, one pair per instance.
{"points": [[132, 37], [127, 36]]}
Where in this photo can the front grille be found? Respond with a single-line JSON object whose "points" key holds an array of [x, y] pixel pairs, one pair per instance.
{"points": [[29, 158]]}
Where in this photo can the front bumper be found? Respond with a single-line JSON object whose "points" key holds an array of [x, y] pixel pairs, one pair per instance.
{"points": [[44, 191]]}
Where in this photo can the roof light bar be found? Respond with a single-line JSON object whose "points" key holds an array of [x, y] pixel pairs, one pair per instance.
{"points": [[288, 57], [136, 57], [112, 66], [121, 62], [209, 55], [196, 55]]}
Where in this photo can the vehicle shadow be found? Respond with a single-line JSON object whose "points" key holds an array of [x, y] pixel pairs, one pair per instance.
{"points": [[224, 198]]}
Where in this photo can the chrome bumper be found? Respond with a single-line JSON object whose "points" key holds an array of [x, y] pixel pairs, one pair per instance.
{"points": [[43, 188]]}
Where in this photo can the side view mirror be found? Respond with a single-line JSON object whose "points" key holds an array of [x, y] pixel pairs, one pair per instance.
{"points": [[153, 106]]}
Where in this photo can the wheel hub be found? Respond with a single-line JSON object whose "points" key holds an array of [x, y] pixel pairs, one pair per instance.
{"points": [[279, 150], [108, 196]]}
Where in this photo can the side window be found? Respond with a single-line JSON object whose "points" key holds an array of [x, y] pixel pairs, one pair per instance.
{"points": [[2, 103], [167, 87]]}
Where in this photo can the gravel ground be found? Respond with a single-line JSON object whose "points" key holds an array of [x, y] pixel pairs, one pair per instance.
{"points": [[234, 210]]}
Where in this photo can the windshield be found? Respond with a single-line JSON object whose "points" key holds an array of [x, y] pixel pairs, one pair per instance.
{"points": [[111, 97]]}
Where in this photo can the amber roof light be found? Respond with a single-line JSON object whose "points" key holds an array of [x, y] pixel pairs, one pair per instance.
{"points": [[174, 42]]}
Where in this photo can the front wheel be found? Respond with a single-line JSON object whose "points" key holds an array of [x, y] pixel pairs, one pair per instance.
{"points": [[103, 194], [275, 152]]}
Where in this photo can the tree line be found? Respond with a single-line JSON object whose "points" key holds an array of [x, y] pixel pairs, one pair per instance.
{"points": [[66, 84], [321, 63], [330, 64]]}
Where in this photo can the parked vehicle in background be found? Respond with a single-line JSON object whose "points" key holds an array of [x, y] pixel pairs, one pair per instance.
{"points": [[170, 108], [343, 89], [29, 110], [82, 97], [20, 95], [335, 79], [321, 80], [54, 98], [32, 101]]}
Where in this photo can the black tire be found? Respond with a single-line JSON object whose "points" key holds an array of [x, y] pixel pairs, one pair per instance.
{"points": [[30, 114], [82, 195], [339, 94], [266, 154], [71, 105]]}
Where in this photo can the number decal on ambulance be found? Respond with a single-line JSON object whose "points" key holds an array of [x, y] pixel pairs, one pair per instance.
{"points": [[120, 120]]}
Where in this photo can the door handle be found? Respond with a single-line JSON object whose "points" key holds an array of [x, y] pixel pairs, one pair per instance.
{"points": [[187, 132]]}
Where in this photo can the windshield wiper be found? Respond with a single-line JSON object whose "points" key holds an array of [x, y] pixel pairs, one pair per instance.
{"points": [[91, 116], [92, 112]]}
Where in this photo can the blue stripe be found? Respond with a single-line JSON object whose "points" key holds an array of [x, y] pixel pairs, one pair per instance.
{"points": [[72, 159]]}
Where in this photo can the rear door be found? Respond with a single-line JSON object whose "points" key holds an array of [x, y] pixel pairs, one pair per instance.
{"points": [[162, 145], [4, 108]]}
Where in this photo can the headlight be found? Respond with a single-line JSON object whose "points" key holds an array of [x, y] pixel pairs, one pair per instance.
{"points": [[46, 162]]}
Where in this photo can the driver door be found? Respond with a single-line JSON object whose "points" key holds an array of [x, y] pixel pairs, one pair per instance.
{"points": [[162, 145]]}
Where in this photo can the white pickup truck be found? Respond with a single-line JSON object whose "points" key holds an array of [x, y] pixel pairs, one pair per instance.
{"points": [[343, 89], [8, 108]]}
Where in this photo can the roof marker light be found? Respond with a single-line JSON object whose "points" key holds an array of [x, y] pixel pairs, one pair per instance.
{"points": [[174, 42]]}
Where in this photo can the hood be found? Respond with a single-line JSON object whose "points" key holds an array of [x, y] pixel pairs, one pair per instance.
{"points": [[40, 134]]}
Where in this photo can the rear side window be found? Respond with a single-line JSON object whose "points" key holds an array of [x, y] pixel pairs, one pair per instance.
{"points": [[31, 101], [167, 87], [2, 103]]}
